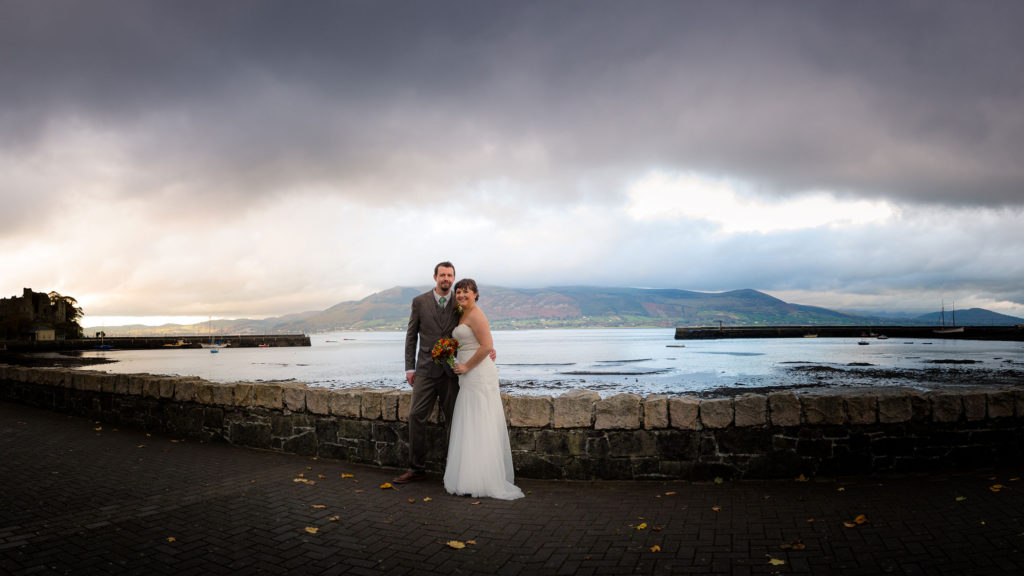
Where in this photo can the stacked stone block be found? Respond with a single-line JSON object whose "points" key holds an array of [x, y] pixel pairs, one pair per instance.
{"points": [[576, 435]]}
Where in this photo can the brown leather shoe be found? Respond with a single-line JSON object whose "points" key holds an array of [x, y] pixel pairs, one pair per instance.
{"points": [[410, 476]]}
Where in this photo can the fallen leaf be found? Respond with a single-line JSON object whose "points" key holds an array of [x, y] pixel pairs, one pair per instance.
{"points": [[794, 545], [775, 561], [334, 518], [961, 498], [475, 503], [304, 481], [172, 539], [840, 489], [670, 493], [309, 467], [321, 476], [412, 500], [860, 519], [1014, 479], [656, 528], [471, 542], [716, 508], [802, 478], [141, 446], [427, 498], [642, 526], [302, 475], [312, 530], [343, 475], [98, 428], [655, 548], [386, 485], [849, 524], [456, 544], [810, 520], [996, 487], [318, 506], [719, 480]]}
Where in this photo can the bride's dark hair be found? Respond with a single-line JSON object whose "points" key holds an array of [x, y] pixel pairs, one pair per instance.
{"points": [[468, 284]]}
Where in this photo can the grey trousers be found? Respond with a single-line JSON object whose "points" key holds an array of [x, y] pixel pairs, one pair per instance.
{"points": [[444, 389]]}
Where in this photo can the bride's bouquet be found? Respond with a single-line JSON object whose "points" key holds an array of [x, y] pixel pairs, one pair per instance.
{"points": [[444, 351]]}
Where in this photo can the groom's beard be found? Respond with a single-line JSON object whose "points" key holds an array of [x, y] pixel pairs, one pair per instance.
{"points": [[444, 286]]}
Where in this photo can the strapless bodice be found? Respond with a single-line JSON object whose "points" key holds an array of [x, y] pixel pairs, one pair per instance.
{"points": [[467, 340]]}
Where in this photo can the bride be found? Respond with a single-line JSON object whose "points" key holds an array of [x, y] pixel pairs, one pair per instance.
{"points": [[479, 453]]}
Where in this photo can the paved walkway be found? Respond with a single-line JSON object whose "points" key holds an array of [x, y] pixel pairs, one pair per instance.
{"points": [[78, 497]]}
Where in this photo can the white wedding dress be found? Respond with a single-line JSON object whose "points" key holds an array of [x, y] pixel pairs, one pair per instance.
{"points": [[479, 453]]}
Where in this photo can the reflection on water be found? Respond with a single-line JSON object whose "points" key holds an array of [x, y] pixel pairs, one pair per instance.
{"points": [[609, 361]]}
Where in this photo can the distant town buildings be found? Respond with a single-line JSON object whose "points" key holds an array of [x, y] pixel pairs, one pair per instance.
{"points": [[36, 316]]}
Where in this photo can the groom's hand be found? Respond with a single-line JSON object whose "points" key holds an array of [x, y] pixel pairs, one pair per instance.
{"points": [[409, 377]]}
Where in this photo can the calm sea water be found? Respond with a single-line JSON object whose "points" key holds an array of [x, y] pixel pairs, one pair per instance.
{"points": [[609, 361]]}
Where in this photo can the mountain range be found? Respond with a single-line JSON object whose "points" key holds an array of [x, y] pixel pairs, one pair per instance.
{"points": [[571, 307]]}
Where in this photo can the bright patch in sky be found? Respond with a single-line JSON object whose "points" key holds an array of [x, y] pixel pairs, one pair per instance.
{"points": [[661, 196]]}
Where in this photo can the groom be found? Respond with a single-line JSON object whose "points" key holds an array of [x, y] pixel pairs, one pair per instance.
{"points": [[433, 317]]}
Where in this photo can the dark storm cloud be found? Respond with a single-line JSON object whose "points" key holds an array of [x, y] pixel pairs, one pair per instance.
{"points": [[916, 101]]}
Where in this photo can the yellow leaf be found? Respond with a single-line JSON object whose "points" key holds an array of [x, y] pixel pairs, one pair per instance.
{"points": [[810, 520], [334, 518], [321, 476], [386, 485], [849, 524], [456, 544], [961, 498], [716, 508], [348, 475], [775, 561], [312, 530], [840, 489], [718, 480], [670, 493], [471, 542], [172, 539], [996, 487], [427, 498], [309, 467], [304, 481], [860, 519], [642, 526], [795, 545], [302, 475], [802, 478], [477, 503], [1014, 479], [655, 548], [412, 500], [318, 506]]}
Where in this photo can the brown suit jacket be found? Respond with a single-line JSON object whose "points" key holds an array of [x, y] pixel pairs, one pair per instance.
{"points": [[428, 323]]}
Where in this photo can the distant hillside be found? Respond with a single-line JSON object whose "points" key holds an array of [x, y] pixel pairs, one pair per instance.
{"points": [[571, 306], [969, 317]]}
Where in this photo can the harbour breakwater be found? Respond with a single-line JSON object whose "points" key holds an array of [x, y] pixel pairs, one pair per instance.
{"points": [[576, 435], [150, 342], [1008, 333]]}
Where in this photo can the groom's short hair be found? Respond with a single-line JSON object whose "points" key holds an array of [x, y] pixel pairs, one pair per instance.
{"points": [[446, 264]]}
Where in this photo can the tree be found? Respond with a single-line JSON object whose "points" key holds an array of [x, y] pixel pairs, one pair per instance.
{"points": [[72, 314]]}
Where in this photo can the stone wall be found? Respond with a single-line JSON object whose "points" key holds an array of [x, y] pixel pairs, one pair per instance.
{"points": [[577, 435]]}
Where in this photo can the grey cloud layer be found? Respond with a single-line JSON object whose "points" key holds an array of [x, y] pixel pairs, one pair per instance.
{"points": [[917, 101]]}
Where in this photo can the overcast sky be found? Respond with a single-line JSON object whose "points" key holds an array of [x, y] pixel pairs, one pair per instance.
{"points": [[251, 159]]}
